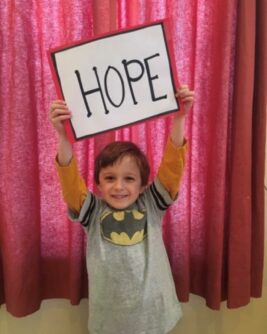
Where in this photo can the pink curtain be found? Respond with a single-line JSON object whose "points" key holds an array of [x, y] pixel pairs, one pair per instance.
{"points": [[214, 233]]}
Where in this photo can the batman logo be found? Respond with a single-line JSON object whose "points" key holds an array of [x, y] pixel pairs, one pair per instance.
{"points": [[124, 227]]}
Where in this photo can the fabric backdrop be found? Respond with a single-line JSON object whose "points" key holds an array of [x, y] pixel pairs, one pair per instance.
{"points": [[214, 233]]}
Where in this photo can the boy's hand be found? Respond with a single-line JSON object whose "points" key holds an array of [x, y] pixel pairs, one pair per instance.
{"points": [[58, 114], [186, 96]]}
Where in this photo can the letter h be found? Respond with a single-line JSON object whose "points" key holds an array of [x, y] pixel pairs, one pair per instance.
{"points": [[91, 91]]}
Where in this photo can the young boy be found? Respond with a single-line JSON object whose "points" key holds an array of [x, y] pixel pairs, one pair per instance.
{"points": [[131, 289]]}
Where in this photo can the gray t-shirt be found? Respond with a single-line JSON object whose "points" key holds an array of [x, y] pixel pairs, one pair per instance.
{"points": [[131, 289]]}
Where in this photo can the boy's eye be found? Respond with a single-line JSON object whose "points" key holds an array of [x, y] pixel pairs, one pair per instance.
{"points": [[109, 178], [130, 178]]}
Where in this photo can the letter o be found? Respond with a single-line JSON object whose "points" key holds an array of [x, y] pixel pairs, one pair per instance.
{"points": [[122, 86]]}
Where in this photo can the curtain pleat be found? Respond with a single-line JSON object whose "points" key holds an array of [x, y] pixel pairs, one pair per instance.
{"points": [[246, 194]]}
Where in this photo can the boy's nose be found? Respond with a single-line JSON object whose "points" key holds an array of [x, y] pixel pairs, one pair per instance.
{"points": [[118, 184]]}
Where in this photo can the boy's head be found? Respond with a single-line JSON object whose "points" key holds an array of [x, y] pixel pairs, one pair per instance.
{"points": [[121, 173], [115, 152]]}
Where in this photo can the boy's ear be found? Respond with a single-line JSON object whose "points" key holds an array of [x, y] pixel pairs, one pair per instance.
{"points": [[142, 189]]}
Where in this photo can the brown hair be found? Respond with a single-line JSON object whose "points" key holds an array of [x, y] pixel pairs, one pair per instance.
{"points": [[116, 151]]}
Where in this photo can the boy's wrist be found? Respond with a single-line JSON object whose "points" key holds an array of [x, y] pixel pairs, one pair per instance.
{"points": [[62, 135], [64, 150], [177, 131], [182, 142]]}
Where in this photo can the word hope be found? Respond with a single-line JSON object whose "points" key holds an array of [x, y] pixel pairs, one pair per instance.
{"points": [[105, 93]]}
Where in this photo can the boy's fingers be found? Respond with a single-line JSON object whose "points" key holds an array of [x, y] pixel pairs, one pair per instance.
{"points": [[58, 104], [190, 95], [57, 112], [58, 107], [185, 93], [60, 118], [182, 87]]}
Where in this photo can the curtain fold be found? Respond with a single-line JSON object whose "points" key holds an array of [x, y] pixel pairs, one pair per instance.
{"points": [[258, 147], [214, 233], [246, 195]]}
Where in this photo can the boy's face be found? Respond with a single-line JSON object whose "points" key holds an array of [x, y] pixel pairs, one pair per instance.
{"points": [[120, 183]]}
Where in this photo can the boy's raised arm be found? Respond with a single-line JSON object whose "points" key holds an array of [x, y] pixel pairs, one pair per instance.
{"points": [[173, 160], [72, 184], [58, 114], [186, 97]]}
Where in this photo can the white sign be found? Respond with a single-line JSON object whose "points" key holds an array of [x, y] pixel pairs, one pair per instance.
{"points": [[116, 80]]}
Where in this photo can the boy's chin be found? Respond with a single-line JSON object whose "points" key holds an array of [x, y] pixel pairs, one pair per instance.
{"points": [[120, 206]]}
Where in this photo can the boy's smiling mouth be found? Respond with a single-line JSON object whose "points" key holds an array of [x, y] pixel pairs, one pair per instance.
{"points": [[118, 196]]}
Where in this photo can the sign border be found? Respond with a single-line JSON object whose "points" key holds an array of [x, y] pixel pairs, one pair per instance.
{"points": [[56, 78]]}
